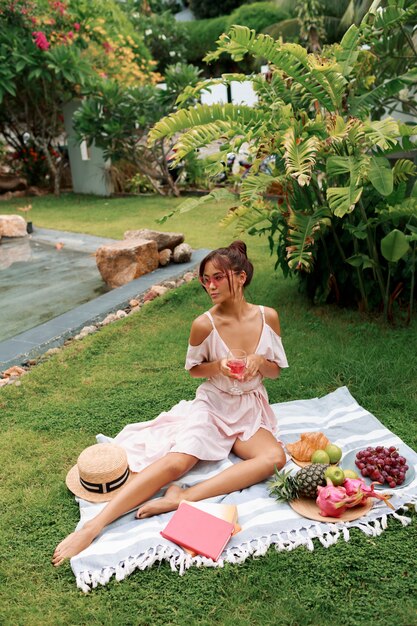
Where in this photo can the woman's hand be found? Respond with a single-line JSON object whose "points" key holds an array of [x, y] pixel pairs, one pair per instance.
{"points": [[253, 365], [226, 371]]}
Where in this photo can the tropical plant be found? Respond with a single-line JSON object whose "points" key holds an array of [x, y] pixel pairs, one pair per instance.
{"points": [[338, 193], [118, 119], [50, 52]]}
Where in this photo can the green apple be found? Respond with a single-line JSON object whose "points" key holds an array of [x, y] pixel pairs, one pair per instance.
{"points": [[349, 473], [334, 452], [336, 475], [320, 456]]}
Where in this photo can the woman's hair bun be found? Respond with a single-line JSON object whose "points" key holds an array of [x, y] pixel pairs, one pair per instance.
{"points": [[240, 246]]}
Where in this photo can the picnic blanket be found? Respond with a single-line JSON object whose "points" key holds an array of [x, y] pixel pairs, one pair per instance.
{"points": [[129, 544]]}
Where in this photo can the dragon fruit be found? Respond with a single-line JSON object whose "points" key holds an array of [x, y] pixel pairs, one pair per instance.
{"points": [[332, 500], [357, 488]]}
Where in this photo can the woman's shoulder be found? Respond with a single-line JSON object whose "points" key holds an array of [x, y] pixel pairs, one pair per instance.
{"points": [[200, 329], [272, 319]]}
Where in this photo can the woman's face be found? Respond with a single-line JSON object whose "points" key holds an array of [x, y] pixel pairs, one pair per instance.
{"points": [[215, 282]]}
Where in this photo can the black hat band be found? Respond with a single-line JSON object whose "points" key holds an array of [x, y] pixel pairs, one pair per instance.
{"points": [[106, 487]]}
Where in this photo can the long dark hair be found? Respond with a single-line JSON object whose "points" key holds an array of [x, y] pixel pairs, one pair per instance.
{"points": [[233, 258]]}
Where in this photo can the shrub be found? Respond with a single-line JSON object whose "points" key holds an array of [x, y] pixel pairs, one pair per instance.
{"points": [[204, 9], [257, 16], [203, 35], [166, 38]]}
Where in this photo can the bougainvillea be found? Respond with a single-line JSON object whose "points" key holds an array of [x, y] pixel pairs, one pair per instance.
{"points": [[52, 51]]}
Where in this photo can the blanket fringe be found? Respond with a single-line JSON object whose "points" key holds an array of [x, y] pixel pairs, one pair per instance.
{"points": [[181, 561]]}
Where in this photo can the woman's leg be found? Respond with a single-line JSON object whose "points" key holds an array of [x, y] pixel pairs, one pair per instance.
{"points": [[260, 454], [142, 487]]}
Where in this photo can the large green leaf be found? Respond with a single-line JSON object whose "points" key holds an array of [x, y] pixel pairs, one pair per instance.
{"points": [[342, 200], [352, 165], [382, 133], [348, 52], [381, 176], [394, 245]]}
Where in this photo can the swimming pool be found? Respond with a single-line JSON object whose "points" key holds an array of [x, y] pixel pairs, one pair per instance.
{"points": [[54, 295], [39, 282]]}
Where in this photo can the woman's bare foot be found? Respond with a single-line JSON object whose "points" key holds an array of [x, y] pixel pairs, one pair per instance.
{"points": [[169, 502], [72, 545]]}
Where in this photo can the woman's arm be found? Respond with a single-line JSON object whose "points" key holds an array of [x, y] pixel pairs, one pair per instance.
{"points": [[200, 330]]}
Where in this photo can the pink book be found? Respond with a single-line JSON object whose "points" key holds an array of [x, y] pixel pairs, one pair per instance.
{"points": [[198, 531]]}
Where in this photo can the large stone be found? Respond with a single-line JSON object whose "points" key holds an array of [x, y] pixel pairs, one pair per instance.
{"points": [[163, 240], [12, 226], [182, 253], [121, 262], [165, 256]]}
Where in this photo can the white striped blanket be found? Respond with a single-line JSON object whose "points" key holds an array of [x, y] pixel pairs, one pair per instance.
{"points": [[130, 544]]}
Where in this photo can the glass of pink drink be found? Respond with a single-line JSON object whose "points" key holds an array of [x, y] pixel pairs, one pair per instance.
{"points": [[236, 362]]}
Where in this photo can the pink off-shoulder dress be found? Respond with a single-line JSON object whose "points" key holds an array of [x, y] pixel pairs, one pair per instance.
{"points": [[208, 426]]}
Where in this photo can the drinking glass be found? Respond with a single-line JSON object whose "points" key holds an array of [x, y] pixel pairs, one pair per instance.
{"points": [[236, 361]]}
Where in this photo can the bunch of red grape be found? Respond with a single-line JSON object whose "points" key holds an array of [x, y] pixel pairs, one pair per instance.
{"points": [[383, 465]]}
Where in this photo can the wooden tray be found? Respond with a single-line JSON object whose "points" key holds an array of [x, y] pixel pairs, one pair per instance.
{"points": [[308, 508]]}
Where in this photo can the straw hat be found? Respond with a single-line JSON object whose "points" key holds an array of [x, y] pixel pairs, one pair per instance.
{"points": [[99, 473]]}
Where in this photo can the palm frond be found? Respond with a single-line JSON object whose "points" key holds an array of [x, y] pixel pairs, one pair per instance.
{"points": [[303, 231], [382, 133], [246, 216], [254, 186], [402, 170], [300, 158], [360, 105], [203, 114], [200, 136], [405, 210], [190, 204], [323, 84], [194, 92], [342, 200]]}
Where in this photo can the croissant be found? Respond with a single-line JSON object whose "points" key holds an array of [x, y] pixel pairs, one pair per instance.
{"points": [[306, 445]]}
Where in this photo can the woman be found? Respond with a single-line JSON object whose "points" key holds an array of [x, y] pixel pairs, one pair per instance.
{"points": [[217, 421]]}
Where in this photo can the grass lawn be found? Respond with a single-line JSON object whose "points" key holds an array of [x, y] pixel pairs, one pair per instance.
{"points": [[131, 371]]}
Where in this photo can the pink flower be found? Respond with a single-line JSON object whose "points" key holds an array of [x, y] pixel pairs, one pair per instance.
{"points": [[60, 7], [40, 40], [70, 34], [77, 26]]}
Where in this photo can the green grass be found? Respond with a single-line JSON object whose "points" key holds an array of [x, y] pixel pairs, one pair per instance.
{"points": [[131, 371], [111, 217]]}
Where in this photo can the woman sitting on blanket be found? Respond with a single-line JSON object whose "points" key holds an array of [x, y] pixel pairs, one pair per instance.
{"points": [[217, 421]]}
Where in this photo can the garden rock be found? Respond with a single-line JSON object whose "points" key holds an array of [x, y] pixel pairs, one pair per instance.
{"points": [[12, 226], [165, 256], [123, 261], [159, 289], [182, 253], [188, 277], [163, 240], [111, 317]]}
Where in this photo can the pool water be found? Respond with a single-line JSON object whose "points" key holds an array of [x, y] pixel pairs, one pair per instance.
{"points": [[39, 282]]}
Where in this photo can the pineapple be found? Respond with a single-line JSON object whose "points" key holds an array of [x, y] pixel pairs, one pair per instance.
{"points": [[286, 487]]}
